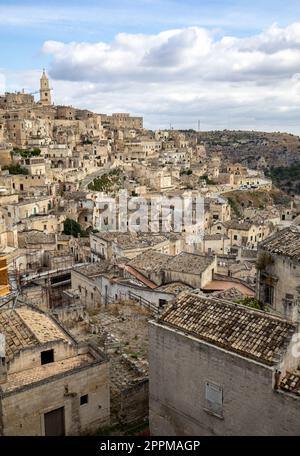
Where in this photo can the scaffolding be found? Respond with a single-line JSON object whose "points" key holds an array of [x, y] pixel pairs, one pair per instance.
{"points": [[34, 282]]}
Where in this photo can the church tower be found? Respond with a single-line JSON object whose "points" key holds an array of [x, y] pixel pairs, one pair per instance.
{"points": [[45, 95]]}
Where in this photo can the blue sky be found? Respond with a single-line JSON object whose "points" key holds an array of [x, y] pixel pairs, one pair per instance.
{"points": [[25, 25], [37, 34]]}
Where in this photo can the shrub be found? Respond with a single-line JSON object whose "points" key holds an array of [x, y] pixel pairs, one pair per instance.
{"points": [[73, 228], [248, 301], [16, 168], [208, 180]]}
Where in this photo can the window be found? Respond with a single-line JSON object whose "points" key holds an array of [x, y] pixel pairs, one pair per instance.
{"points": [[269, 294], [162, 302], [84, 399], [47, 356], [214, 399], [235, 237]]}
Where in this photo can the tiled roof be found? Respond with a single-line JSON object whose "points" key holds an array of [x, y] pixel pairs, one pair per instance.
{"points": [[285, 242], [35, 237], [25, 327], [42, 326], [214, 237], [17, 335], [139, 276], [94, 269], [234, 327], [235, 225], [189, 263], [291, 383], [174, 287], [150, 261], [131, 241], [220, 285]]}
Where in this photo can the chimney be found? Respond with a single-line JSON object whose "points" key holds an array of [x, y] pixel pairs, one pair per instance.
{"points": [[277, 375]]}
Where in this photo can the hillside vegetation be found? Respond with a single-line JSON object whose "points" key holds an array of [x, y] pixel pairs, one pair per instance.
{"points": [[286, 178], [259, 199], [255, 149]]}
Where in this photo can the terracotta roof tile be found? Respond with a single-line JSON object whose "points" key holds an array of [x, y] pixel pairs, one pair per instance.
{"points": [[285, 242], [291, 383], [237, 328], [24, 327]]}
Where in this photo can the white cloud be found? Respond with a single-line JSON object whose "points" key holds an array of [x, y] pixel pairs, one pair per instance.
{"points": [[181, 54], [182, 75]]}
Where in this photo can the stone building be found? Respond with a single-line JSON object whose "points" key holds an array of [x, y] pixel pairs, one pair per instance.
{"points": [[122, 120], [49, 223], [24, 183], [49, 384], [219, 368], [278, 276], [215, 243], [16, 212], [65, 112], [246, 234], [35, 166], [83, 281], [191, 269], [9, 100], [110, 245]]}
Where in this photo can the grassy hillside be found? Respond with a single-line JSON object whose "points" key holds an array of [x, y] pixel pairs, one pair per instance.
{"points": [[254, 149], [287, 178], [239, 200]]}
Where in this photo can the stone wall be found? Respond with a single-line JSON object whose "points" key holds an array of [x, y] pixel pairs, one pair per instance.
{"points": [[23, 411], [180, 366]]}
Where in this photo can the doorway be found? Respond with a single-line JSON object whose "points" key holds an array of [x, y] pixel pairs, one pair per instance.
{"points": [[55, 422]]}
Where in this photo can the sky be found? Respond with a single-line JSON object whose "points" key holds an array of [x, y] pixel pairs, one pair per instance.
{"points": [[230, 64]]}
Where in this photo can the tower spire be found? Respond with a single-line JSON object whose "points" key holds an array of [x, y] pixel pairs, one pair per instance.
{"points": [[45, 95]]}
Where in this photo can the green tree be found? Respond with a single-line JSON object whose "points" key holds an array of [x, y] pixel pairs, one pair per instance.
{"points": [[16, 168], [207, 180], [73, 228]]}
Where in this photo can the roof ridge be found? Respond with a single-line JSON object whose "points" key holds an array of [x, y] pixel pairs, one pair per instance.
{"points": [[241, 306]]}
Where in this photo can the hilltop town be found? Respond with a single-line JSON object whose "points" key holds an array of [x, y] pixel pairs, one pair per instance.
{"points": [[110, 328]]}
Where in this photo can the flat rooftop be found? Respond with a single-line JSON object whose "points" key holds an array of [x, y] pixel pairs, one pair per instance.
{"points": [[30, 377]]}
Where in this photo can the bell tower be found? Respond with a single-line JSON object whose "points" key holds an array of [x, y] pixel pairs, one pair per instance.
{"points": [[45, 95]]}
